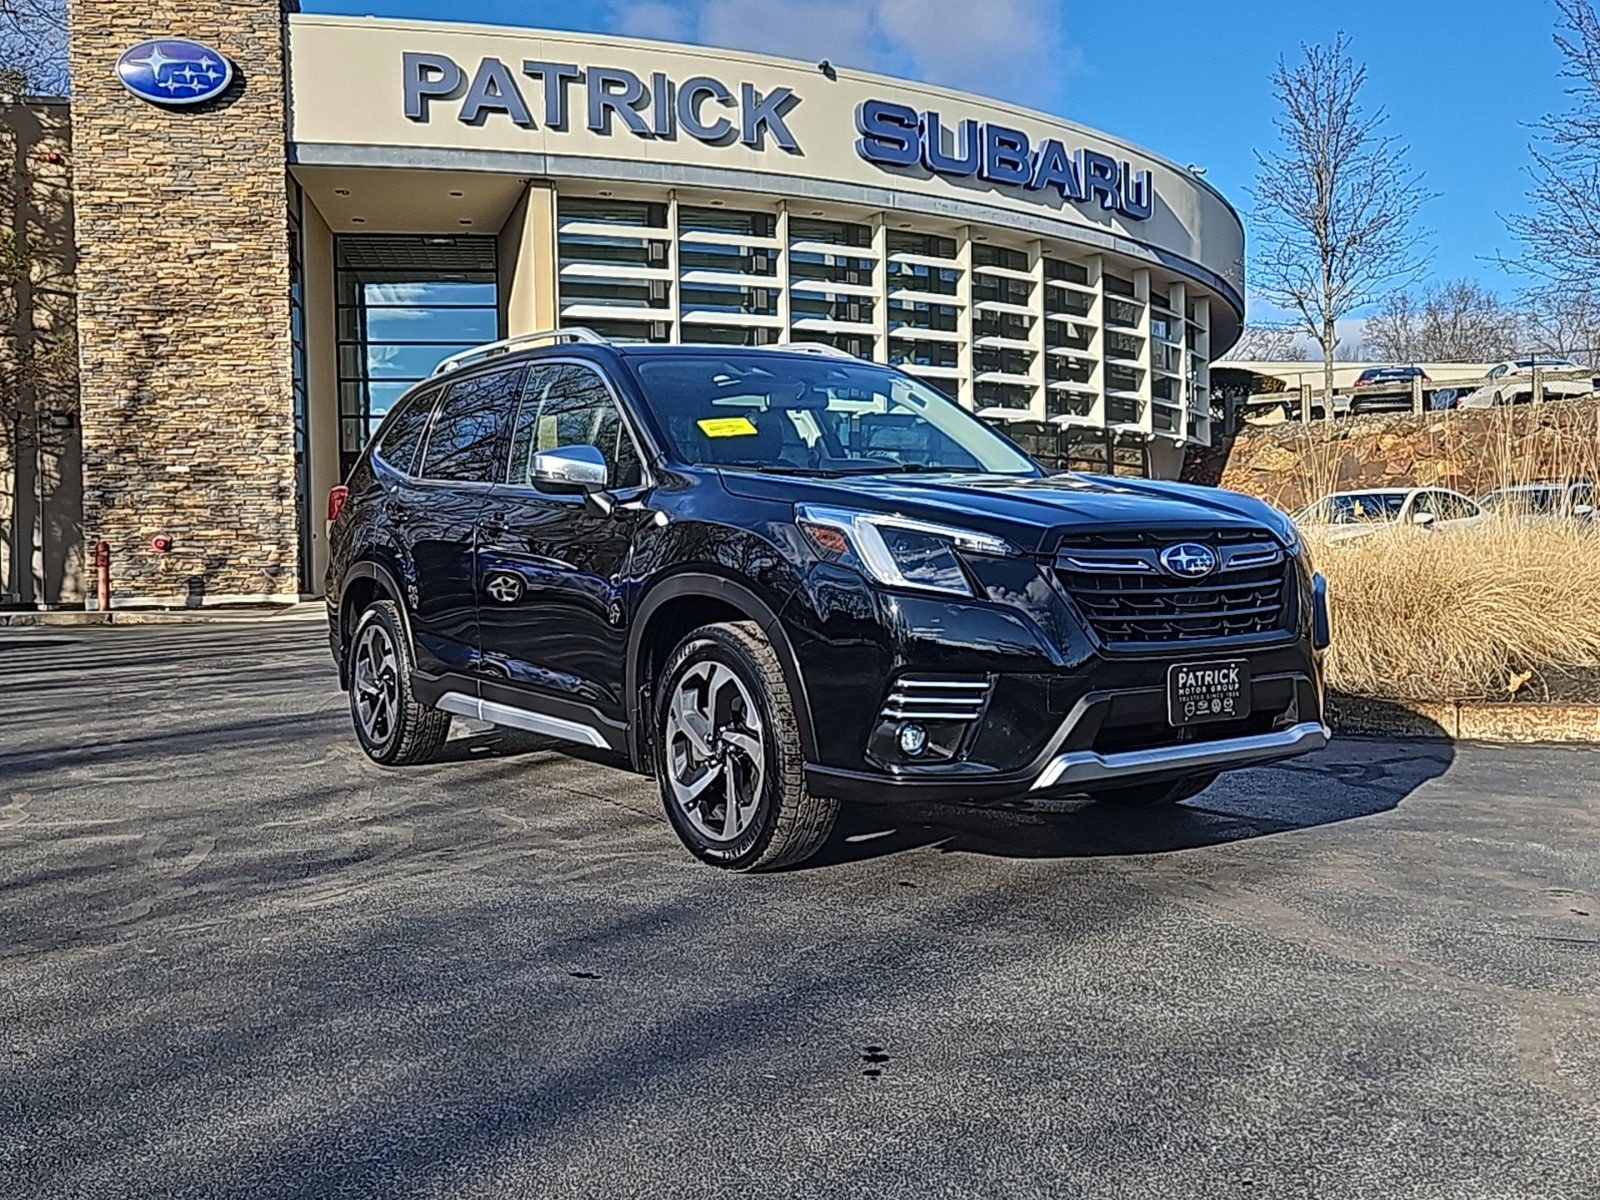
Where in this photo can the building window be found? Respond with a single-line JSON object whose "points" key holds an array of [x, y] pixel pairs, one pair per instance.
{"points": [[404, 303], [615, 266]]}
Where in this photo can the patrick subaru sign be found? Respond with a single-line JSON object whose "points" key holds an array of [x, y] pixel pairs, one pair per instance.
{"points": [[174, 71], [656, 105]]}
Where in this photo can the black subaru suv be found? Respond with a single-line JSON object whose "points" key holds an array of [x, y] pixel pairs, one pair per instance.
{"points": [[782, 578]]}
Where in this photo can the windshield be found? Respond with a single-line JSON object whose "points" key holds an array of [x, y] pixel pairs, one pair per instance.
{"points": [[792, 414], [1352, 510]]}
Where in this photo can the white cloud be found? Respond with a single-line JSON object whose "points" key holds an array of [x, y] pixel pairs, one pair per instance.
{"points": [[668, 22], [842, 32], [1015, 49]]}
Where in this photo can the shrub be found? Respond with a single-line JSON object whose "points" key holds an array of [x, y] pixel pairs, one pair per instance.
{"points": [[1461, 613]]}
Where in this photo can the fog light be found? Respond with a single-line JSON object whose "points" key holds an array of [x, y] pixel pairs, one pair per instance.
{"points": [[913, 739]]}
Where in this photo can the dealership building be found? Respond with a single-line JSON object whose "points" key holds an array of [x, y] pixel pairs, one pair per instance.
{"points": [[267, 225]]}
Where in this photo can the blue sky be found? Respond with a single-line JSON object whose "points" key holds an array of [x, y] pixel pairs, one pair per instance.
{"points": [[1460, 80]]}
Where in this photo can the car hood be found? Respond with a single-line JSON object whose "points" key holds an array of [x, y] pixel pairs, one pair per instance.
{"points": [[1032, 514]]}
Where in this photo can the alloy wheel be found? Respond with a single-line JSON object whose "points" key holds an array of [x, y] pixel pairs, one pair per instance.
{"points": [[377, 684], [715, 754]]}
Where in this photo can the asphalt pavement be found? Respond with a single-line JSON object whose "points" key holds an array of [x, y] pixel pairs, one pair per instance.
{"points": [[239, 960]]}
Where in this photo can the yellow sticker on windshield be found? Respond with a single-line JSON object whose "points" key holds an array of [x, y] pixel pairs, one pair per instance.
{"points": [[726, 427]]}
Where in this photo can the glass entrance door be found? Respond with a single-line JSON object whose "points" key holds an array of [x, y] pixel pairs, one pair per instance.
{"points": [[404, 303]]}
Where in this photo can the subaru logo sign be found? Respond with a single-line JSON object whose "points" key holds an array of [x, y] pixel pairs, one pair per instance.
{"points": [[1188, 560], [174, 71]]}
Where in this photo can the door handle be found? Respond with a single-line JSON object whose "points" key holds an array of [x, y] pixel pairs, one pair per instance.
{"points": [[495, 526]]}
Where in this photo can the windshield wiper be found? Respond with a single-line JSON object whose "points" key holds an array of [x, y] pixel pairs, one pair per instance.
{"points": [[884, 468], [790, 469]]}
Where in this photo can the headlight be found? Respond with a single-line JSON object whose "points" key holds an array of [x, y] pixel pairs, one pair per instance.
{"points": [[897, 551]]}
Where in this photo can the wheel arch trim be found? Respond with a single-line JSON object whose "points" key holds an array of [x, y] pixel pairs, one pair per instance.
{"points": [[703, 584], [380, 574]]}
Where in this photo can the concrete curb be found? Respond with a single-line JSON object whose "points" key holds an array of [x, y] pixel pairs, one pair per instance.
{"points": [[196, 616], [1465, 720]]}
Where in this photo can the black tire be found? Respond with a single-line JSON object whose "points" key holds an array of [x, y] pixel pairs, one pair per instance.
{"points": [[1151, 795], [782, 823], [380, 666]]}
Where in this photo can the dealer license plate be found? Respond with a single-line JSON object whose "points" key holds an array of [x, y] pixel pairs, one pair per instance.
{"points": [[1208, 691]]}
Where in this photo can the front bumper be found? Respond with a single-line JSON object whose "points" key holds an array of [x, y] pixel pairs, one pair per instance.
{"points": [[1111, 737], [1091, 769]]}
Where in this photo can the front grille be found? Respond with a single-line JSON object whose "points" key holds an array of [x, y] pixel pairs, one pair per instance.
{"points": [[926, 698], [1118, 583]]}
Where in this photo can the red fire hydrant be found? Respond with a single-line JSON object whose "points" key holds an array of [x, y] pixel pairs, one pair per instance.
{"points": [[102, 566]]}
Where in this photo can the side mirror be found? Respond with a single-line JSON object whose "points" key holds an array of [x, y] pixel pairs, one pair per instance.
{"points": [[1422, 518], [573, 470]]}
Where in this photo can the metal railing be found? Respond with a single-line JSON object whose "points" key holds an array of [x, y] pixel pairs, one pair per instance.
{"points": [[1308, 403]]}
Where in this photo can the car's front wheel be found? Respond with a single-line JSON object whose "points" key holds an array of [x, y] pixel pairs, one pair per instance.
{"points": [[728, 754], [392, 725]]}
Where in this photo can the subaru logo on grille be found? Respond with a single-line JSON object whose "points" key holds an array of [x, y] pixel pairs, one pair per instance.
{"points": [[1188, 560], [174, 71]]}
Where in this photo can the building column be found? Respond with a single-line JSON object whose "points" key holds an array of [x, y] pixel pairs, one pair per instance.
{"points": [[183, 294], [527, 254], [322, 381]]}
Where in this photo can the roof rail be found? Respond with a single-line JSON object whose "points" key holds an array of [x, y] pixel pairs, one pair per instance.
{"points": [[520, 342], [822, 348]]}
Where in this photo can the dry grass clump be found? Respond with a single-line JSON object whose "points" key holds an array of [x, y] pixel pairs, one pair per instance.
{"points": [[1461, 613]]}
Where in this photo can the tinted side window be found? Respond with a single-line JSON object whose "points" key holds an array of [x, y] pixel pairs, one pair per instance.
{"points": [[403, 432], [467, 442], [1455, 508], [568, 405]]}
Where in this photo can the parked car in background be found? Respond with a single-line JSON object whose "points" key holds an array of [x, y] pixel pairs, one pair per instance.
{"points": [[1511, 382], [1385, 388], [1345, 515], [1560, 500]]}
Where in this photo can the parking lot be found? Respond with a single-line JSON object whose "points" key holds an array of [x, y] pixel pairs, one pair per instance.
{"points": [[239, 960]]}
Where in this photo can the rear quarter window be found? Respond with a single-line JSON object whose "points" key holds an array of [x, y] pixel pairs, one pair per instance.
{"points": [[402, 434], [469, 438]]}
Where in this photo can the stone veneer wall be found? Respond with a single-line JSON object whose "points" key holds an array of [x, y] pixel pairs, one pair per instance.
{"points": [[1469, 451], [183, 324]]}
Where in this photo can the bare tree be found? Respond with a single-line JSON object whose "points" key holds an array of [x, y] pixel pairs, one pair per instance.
{"points": [[1454, 321], [1560, 233], [1267, 343], [33, 47], [1335, 204], [1562, 321]]}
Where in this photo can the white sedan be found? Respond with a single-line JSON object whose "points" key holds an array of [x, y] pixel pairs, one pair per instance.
{"points": [[1542, 503], [1345, 515], [1511, 382]]}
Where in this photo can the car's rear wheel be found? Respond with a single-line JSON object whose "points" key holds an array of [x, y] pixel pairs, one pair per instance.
{"points": [[1150, 795], [728, 754], [392, 725]]}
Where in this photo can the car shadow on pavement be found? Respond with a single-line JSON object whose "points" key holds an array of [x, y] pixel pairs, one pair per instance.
{"points": [[1355, 778]]}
